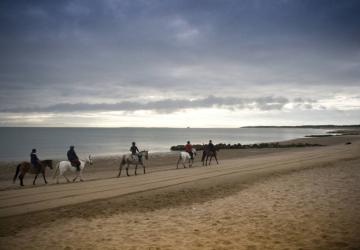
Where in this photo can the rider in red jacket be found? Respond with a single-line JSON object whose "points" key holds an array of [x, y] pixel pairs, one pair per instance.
{"points": [[188, 148]]}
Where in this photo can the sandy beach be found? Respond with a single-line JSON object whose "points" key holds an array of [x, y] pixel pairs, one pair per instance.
{"points": [[275, 198]]}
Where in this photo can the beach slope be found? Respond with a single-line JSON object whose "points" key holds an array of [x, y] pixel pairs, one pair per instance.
{"points": [[286, 199]]}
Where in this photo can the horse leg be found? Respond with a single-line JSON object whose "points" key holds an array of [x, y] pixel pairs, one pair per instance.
{"points": [[216, 160], [127, 170], [21, 177], [203, 157], [77, 175], [80, 173], [177, 164], [210, 160], [144, 168], [66, 178], [120, 168], [43, 174], [35, 179]]}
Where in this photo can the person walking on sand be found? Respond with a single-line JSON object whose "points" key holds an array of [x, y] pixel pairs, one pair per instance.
{"points": [[188, 149], [134, 152], [35, 162], [73, 158]]}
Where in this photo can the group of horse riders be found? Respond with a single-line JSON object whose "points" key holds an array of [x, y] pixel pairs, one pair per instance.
{"points": [[71, 155], [207, 148], [73, 162], [74, 159]]}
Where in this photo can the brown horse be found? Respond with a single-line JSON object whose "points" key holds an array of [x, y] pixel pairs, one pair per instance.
{"points": [[207, 154], [25, 167]]}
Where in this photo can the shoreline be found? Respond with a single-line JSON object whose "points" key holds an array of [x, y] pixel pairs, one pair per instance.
{"points": [[158, 160], [55, 154], [328, 133]]}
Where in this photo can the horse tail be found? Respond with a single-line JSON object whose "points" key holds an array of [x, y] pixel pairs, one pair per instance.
{"points": [[17, 172], [56, 170]]}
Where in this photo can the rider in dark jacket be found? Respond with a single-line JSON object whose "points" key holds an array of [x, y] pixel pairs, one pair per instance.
{"points": [[208, 148], [211, 146], [35, 162], [73, 158], [134, 152]]}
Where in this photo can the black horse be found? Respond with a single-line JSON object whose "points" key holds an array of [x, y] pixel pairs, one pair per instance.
{"points": [[208, 154], [25, 167]]}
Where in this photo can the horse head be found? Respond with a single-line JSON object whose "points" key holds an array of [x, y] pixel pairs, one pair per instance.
{"points": [[193, 151], [90, 160], [145, 153]]}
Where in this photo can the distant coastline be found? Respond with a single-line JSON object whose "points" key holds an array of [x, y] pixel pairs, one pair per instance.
{"points": [[308, 126]]}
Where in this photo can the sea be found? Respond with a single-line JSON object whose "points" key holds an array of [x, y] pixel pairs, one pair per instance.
{"points": [[52, 143]]}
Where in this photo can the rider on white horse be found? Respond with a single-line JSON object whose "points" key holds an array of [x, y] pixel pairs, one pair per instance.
{"points": [[134, 152], [73, 158], [188, 149]]}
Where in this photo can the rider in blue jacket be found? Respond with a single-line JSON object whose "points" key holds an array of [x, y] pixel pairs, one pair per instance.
{"points": [[35, 162], [73, 158]]}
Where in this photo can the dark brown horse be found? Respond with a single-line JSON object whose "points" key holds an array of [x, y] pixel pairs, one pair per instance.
{"points": [[207, 154], [25, 167]]}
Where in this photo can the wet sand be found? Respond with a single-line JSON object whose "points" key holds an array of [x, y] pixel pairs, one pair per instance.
{"points": [[299, 198]]}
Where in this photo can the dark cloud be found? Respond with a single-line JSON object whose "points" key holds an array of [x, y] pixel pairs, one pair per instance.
{"points": [[122, 51], [167, 105]]}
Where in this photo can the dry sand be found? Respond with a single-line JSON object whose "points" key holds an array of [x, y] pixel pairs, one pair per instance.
{"points": [[300, 198]]}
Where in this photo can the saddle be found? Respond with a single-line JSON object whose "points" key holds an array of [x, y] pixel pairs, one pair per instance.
{"points": [[36, 167], [74, 163], [136, 158]]}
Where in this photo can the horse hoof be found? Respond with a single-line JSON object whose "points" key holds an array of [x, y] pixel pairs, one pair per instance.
{"points": [[81, 180]]}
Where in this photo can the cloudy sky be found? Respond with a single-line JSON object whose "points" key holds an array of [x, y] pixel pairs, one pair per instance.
{"points": [[179, 63]]}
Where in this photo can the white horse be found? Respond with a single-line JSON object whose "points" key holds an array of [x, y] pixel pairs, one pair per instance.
{"points": [[133, 160], [65, 166], [184, 156]]}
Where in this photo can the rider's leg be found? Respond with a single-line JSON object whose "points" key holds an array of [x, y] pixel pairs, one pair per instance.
{"points": [[78, 166]]}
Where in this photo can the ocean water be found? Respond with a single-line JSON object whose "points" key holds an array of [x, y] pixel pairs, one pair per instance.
{"points": [[53, 143]]}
